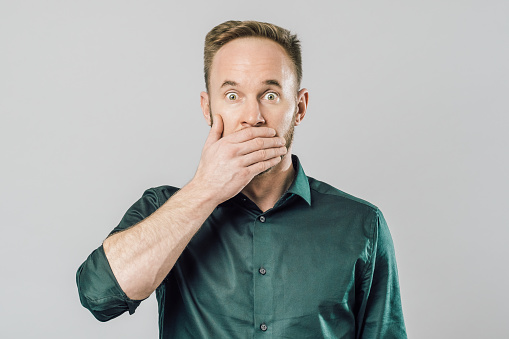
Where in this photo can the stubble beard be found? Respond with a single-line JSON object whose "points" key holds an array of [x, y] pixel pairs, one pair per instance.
{"points": [[288, 136]]}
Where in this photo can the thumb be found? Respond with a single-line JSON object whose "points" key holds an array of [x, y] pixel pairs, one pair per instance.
{"points": [[216, 130]]}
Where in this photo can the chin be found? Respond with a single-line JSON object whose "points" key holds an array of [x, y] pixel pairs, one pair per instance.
{"points": [[262, 174], [271, 169]]}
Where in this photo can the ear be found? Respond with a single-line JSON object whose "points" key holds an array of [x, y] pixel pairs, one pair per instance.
{"points": [[302, 105], [205, 107]]}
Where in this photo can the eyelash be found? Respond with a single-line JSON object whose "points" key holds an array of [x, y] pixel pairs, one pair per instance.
{"points": [[228, 96], [265, 95], [274, 93]]}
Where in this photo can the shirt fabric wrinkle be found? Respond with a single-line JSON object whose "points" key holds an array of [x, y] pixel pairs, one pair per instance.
{"points": [[321, 251]]}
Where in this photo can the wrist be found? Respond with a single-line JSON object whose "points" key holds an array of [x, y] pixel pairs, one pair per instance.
{"points": [[202, 194]]}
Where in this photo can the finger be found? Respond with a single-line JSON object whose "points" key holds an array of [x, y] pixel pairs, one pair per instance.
{"points": [[262, 166], [251, 133], [263, 155], [216, 131], [260, 143]]}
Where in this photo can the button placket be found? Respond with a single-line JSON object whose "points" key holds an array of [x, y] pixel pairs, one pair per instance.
{"points": [[263, 286]]}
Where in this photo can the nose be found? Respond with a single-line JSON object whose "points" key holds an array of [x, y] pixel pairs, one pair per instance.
{"points": [[252, 115]]}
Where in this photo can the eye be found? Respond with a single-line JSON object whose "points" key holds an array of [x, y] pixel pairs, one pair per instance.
{"points": [[271, 96], [232, 96]]}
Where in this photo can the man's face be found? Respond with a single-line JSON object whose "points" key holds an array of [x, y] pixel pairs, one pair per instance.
{"points": [[253, 83]]}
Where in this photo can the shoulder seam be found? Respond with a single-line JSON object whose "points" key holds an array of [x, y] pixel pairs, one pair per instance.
{"points": [[352, 198]]}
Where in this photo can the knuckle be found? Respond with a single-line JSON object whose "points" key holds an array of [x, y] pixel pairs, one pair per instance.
{"points": [[269, 131], [249, 133], [259, 143], [234, 150], [245, 172], [237, 163], [263, 166]]}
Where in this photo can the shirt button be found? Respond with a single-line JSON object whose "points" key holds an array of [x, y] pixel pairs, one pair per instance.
{"points": [[263, 327], [262, 218], [262, 271]]}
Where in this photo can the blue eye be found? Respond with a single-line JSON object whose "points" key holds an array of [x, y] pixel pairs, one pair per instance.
{"points": [[232, 96]]}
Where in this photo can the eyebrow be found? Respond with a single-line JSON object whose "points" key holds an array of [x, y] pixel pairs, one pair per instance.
{"points": [[229, 83], [273, 82], [266, 82]]}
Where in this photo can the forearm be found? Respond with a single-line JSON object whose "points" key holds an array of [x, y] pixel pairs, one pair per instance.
{"points": [[141, 256]]}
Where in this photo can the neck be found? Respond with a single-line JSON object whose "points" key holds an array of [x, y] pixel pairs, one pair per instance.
{"points": [[266, 189]]}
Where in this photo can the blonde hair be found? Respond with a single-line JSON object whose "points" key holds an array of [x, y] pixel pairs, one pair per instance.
{"points": [[230, 30]]}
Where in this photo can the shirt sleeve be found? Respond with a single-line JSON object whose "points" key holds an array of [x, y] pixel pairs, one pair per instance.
{"points": [[98, 288], [381, 315]]}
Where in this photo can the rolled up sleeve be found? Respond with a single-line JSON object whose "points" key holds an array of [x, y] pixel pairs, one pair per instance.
{"points": [[99, 290]]}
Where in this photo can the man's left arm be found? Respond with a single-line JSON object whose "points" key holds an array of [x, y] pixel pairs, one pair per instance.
{"points": [[382, 314]]}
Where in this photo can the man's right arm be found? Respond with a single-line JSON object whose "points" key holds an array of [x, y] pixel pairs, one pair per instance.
{"points": [[141, 256]]}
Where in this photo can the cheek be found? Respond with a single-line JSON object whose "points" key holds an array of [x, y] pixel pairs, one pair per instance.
{"points": [[226, 115], [229, 125], [228, 131], [288, 116]]}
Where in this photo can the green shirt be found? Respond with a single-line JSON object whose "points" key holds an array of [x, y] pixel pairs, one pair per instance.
{"points": [[321, 263]]}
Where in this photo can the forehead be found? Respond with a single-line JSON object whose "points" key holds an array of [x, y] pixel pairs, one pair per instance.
{"points": [[248, 61]]}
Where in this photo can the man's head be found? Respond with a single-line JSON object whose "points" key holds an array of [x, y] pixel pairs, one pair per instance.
{"points": [[231, 30], [252, 79]]}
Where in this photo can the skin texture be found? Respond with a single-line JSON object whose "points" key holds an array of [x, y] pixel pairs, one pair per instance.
{"points": [[253, 84], [256, 104]]}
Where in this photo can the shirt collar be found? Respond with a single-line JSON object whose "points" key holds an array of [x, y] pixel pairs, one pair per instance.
{"points": [[300, 185]]}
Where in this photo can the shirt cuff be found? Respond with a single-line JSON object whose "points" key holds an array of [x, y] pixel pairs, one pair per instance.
{"points": [[99, 290]]}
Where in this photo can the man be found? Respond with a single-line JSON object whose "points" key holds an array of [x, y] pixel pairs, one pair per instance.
{"points": [[251, 246]]}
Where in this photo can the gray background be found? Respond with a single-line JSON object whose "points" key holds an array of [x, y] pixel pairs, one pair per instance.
{"points": [[408, 108]]}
